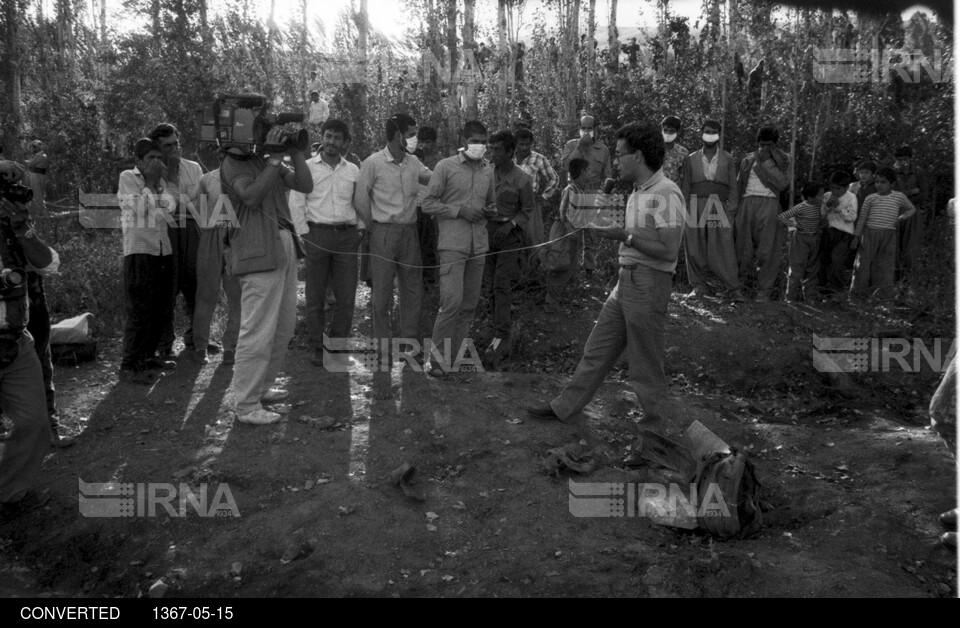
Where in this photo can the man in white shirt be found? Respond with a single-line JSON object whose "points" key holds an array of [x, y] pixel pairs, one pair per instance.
{"points": [[334, 233]]}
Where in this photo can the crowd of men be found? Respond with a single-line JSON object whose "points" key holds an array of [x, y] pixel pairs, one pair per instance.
{"points": [[405, 217]]}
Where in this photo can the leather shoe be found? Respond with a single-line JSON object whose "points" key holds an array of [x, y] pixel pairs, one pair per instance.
{"points": [[542, 411], [949, 519], [259, 417]]}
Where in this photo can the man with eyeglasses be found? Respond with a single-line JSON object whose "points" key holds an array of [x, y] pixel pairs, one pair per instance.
{"points": [[182, 179], [635, 313]]}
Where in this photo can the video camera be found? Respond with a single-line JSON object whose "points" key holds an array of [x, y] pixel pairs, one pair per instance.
{"points": [[244, 120], [15, 192]]}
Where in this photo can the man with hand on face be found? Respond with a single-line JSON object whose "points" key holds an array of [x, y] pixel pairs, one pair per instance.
{"points": [[635, 313], [333, 237], [708, 181], [386, 200], [146, 206], [505, 231], [764, 174], [459, 195], [597, 155], [182, 178], [263, 253]]}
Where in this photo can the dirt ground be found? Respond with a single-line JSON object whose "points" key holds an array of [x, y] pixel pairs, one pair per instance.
{"points": [[854, 477]]}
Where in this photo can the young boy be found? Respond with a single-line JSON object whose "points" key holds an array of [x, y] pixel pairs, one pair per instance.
{"points": [[840, 211], [805, 243], [877, 224], [864, 186], [576, 209]]}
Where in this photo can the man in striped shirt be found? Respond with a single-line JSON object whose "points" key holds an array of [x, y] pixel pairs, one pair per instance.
{"points": [[545, 181], [875, 236], [805, 243]]}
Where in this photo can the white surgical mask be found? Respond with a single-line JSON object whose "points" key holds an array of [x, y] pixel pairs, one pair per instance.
{"points": [[585, 133], [669, 137], [475, 151], [710, 138], [411, 144]]}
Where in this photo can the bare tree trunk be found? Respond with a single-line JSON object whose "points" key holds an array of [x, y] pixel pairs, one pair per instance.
{"points": [[363, 26], [591, 51], [10, 113], [471, 72], [453, 96], [570, 25], [613, 39], [204, 25], [155, 22], [502, 49]]}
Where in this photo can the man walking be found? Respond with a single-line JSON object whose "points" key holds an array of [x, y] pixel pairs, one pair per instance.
{"points": [[635, 314]]}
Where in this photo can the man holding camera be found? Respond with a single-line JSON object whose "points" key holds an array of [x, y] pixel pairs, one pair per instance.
{"points": [[263, 253], [21, 379]]}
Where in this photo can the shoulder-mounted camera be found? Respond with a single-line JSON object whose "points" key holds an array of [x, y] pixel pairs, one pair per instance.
{"points": [[244, 120]]}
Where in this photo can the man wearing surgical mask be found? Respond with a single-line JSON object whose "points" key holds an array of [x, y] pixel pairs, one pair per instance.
{"points": [[386, 200], [670, 127], [708, 181], [599, 167], [461, 194]]}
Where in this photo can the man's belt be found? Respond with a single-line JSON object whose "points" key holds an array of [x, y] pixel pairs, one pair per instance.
{"points": [[630, 266], [499, 219], [38, 170], [336, 227]]}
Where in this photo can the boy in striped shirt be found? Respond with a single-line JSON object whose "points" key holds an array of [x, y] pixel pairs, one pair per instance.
{"points": [[805, 243], [875, 236]]}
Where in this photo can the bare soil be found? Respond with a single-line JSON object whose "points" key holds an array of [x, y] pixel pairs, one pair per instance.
{"points": [[854, 476]]}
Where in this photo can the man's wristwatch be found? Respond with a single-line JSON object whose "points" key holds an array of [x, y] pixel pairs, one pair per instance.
{"points": [[629, 240]]}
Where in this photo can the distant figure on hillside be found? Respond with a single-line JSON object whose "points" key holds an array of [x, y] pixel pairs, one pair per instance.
{"points": [[738, 69], [755, 84], [524, 117], [37, 169], [319, 111], [519, 64], [633, 50]]}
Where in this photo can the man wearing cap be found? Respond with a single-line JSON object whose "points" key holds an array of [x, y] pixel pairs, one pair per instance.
{"points": [[708, 180], [598, 168]]}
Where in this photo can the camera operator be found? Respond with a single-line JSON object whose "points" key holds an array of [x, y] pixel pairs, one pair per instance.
{"points": [[21, 378], [263, 252]]}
